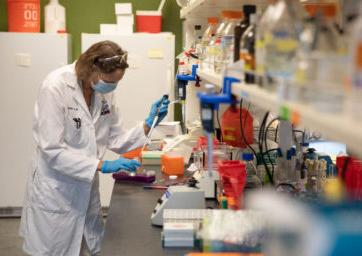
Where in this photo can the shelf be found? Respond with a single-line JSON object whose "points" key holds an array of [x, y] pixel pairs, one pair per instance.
{"points": [[205, 8], [209, 77], [339, 127]]}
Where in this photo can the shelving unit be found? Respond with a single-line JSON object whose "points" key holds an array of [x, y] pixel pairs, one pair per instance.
{"points": [[339, 127], [205, 8]]}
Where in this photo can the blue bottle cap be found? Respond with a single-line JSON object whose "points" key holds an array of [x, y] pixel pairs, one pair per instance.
{"points": [[248, 156]]}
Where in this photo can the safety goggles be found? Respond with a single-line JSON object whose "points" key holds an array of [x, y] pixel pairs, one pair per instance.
{"points": [[108, 65]]}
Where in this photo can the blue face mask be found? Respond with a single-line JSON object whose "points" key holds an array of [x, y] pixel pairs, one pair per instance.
{"points": [[103, 87]]}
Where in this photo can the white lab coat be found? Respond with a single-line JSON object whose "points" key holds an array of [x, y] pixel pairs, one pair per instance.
{"points": [[62, 201]]}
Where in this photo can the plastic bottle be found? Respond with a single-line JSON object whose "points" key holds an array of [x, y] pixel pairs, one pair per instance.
{"points": [[281, 43], [241, 28], [252, 180], [320, 72], [54, 17], [23, 15], [206, 39], [247, 51], [262, 38], [225, 48], [355, 96], [211, 48]]}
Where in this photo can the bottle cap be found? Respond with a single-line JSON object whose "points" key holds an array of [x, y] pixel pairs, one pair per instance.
{"points": [[248, 156], [212, 20], [326, 10], [249, 9], [232, 14]]}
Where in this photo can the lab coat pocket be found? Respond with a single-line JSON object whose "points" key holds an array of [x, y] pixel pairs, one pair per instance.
{"points": [[75, 130], [51, 195]]}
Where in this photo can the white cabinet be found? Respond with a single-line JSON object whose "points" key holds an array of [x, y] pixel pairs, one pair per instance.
{"points": [[26, 58]]}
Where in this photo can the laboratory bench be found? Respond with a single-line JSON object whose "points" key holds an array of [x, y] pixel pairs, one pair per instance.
{"points": [[128, 229]]}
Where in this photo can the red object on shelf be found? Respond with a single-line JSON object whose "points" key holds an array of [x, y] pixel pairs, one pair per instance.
{"points": [[233, 178], [231, 130], [350, 171], [202, 142], [24, 16], [148, 21]]}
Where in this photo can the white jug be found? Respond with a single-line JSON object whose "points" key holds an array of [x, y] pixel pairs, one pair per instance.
{"points": [[54, 17]]}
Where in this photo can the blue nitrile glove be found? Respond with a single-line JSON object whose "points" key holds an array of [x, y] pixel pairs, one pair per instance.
{"points": [[160, 109], [120, 163]]}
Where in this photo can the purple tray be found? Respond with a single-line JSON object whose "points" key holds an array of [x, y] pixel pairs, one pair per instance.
{"points": [[138, 178]]}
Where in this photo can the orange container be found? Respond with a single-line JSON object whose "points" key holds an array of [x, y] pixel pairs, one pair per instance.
{"points": [[231, 129], [24, 15], [172, 164]]}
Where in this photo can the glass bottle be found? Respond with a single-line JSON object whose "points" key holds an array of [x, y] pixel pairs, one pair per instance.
{"points": [[211, 48], [206, 39], [281, 43], [224, 54], [321, 69], [241, 28], [247, 51], [252, 180]]}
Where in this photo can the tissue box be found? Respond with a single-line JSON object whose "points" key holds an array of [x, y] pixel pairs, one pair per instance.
{"points": [[123, 9]]}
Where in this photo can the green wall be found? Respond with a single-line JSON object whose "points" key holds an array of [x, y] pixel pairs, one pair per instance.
{"points": [[86, 15]]}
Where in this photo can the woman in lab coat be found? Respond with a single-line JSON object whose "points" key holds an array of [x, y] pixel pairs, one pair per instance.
{"points": [[75, 121]]}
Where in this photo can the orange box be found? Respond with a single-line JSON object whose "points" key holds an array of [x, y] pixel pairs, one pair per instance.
{"points": [[172, 164]]}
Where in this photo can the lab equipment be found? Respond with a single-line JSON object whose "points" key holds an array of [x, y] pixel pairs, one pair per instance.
{"points": [[234, 231], [178, 235], [178, 197], [158, 112], [207, 182], [120, 163], [54, 16], [194, 216]]}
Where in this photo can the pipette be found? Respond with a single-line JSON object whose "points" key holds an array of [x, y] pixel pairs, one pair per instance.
{"points": [[165, 97]]}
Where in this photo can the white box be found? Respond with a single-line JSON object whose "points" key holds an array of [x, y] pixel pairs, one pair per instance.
{"points": [[125, 30], [108, 29], [124, 8], [125, 19]]}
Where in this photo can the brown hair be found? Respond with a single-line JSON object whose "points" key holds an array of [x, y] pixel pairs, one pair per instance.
{"points": [[106, 56]]}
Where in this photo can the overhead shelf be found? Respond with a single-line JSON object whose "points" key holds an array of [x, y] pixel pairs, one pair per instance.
{"points": [[205, 8], [339, 127]]}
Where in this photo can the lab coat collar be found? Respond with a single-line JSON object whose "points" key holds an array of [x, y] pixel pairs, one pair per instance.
{"points": [[72, 81]]}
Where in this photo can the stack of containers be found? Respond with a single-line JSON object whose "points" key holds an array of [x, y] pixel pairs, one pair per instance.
{"points": [[125, 19]]}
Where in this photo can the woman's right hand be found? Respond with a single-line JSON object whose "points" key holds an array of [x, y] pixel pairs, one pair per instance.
{"points": [[120, 164]]}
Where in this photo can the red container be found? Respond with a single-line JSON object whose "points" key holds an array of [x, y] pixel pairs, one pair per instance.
{"points": [[233, 178], [230, 127], [24, 16], [148, 21], [350, 170]]}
